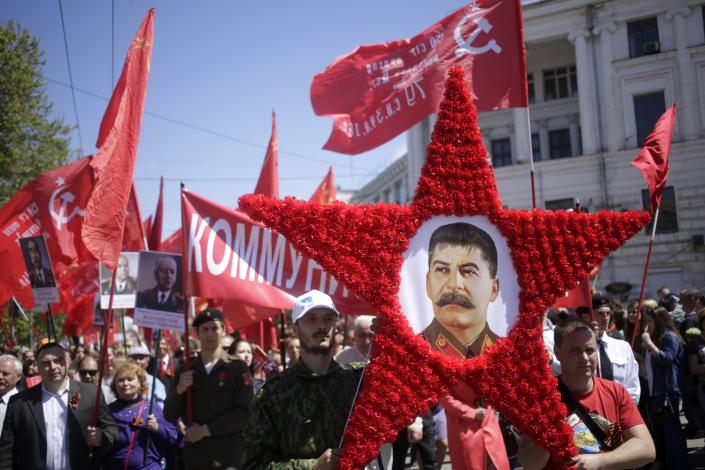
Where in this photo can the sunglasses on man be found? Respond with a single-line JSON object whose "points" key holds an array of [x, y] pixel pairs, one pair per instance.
{"points": [[92, 373]]}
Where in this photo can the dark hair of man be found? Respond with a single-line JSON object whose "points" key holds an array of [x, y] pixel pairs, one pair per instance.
{"points": [[49, 346], [664, 323], [568, 327], [466, 235], [692, 292]]}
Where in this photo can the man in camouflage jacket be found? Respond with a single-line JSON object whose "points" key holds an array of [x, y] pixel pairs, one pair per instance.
{"points": [[298, 418]]}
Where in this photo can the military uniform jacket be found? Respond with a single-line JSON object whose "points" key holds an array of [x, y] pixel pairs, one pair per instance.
{"points": [[221, 400], [297, 416]]}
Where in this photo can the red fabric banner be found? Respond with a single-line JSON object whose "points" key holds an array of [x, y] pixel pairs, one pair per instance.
{"points": [[173, 243], [51, 205], [155, 233], [652, 159], [378, 91], [114, 162], [268, 182], [325, 192], [231, 258]]}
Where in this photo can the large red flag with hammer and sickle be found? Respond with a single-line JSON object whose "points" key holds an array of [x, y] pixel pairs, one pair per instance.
{"points": [[378, 91]]}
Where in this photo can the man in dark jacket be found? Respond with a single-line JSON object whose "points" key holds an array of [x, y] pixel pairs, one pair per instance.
{"points": [[221, 388], [48, 426]]}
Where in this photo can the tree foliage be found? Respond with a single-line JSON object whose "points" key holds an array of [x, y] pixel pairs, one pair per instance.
{"points": [[31, 141]]}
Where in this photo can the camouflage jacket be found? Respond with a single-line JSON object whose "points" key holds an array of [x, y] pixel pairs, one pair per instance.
{"points": [[297, 416]]}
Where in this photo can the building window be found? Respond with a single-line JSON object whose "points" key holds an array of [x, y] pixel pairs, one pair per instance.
{"points": [[536, 146], [501, 152], [647, 109], [643, 37], [530, 87], [667, 217], [561, 82], [559, 143], [560, 204]]}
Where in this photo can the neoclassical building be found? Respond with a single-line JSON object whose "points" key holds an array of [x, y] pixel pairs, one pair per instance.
{"points": [[600, 74]]}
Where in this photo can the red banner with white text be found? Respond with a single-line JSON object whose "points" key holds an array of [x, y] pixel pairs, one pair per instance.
{"points": [[378, 91], [229, 257]]}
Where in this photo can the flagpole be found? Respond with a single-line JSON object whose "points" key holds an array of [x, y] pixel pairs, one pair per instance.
{"points": [[122, 325], [643, 279], [585, 283], [282, 329], [155, 371], [107, 321], [37, 336], [51, 327], [187, 348], [531, 158]]}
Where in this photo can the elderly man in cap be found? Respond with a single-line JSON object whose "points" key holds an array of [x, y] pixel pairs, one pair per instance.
{"points": [[299, 416], [140, 355], [221, 388], [616, 360]]}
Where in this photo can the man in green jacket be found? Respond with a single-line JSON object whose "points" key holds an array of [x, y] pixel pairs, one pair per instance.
{"points": [[221, 395], [298, 418]]}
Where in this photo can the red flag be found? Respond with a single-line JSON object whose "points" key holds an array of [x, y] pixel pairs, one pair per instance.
{"points": [[230, 257], [268, 182], [51, 205], [134, 235], [652, 159], [378, 91], [173, 243], [114, 162], [147, 225], [325, 193], [155, 234]]}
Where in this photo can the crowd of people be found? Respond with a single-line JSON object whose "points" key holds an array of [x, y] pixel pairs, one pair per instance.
{"points": [[239, 406]]}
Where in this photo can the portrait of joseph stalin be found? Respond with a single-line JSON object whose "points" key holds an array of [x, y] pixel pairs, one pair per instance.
{"points": [[461, 282]]}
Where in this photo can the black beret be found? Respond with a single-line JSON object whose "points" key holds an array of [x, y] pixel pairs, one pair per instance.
{"points": [[209, 314], [600, 301]]}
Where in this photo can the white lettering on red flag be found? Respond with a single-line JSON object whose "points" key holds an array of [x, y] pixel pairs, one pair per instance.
{"points": [[232, 258], [378, 91]]}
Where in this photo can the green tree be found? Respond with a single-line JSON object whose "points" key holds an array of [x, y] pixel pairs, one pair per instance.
{"points": [[31, 141]]}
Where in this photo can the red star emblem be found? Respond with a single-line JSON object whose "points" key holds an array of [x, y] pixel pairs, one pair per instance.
{"points": [[362, 246]]}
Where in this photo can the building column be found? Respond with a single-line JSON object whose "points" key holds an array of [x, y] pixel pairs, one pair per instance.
{"points": [[574, 136], [612, 114], [522, 135], [543, 140], [688, 104], [586, 91], [417, 139]]}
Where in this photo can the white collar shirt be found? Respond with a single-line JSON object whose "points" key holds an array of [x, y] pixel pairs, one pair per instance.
{"points": [[56, 411], [625, 370], [163, 296], [3, 405]]}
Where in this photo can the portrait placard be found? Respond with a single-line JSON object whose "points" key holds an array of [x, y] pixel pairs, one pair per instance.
{"points": [[39, 269], [159, 302], [458, 286], [125, 282]]}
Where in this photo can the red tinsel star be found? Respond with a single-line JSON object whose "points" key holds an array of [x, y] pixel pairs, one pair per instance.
{"points": [[362, 246]]}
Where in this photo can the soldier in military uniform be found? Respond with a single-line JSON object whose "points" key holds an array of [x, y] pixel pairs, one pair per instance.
{"points": [[461, 282], [221, 395], [298, 418]]}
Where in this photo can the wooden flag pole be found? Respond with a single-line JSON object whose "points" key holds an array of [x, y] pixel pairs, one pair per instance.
{"points": [[107, 321], [51, 326], [155, 372], [282, 343], [643, 279], [36, 334]]}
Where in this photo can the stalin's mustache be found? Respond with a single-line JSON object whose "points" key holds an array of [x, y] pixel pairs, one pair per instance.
{"points": [[454, 299]]}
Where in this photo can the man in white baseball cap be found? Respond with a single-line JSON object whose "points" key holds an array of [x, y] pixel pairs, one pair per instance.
{"points": [[299, 416]]}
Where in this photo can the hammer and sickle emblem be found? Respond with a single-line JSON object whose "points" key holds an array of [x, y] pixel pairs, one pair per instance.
{"points": [[465, 45], [61, 218]]}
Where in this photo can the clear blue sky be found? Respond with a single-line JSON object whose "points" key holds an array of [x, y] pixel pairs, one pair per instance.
{"points": [[221, 66]]}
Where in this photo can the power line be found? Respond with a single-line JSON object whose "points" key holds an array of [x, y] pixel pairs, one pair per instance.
{"points": [[194, 126], [73, 93], [210, 180]]}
